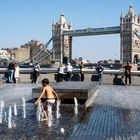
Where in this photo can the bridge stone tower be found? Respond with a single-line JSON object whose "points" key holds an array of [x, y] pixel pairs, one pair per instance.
{"points": [[62, 45], [130, 43]]}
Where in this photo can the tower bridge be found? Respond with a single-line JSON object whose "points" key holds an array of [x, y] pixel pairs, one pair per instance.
{"points": [[62, 34], [129, 31]]}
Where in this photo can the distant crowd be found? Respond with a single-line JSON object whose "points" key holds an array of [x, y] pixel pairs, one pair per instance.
{"points": [[65, 73]]}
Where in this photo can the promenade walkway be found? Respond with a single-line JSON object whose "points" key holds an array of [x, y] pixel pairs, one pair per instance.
{"points": [[115, 115]]}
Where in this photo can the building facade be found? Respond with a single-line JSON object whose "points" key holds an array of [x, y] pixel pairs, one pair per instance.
{"points": [[130, 43], [37, 52], [4, 57], [19, 54], [31, 52]]}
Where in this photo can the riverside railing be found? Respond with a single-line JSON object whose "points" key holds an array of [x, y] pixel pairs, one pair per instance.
{"points": [[25, 75], [86, 71]]}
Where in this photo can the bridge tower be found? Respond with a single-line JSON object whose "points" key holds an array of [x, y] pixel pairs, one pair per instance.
{"points": [[62, 45], [130, 44]]}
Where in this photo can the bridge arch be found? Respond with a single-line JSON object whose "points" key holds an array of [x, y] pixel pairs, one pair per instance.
{"points": [[136, 59]]}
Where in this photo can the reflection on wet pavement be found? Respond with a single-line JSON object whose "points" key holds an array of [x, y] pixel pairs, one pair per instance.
{"points": [[113, 116]]}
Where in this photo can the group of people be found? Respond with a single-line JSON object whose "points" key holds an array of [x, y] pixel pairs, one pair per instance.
{"points": [[127, 75], [51, 95], [66, 73], [116, 80], [61, 72], [48, 91], [99, 69], [13, 73]]}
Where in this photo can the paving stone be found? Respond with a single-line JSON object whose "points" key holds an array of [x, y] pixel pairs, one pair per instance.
{"points": [[113, 116]]}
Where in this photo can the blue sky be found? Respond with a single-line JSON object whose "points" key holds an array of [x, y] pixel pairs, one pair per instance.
{"points": [[23, 20]]}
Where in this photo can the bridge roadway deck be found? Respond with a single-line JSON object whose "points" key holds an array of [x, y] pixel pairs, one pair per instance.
{"points": [[113, 116]]}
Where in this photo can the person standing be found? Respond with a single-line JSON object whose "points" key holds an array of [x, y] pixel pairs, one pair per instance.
{"points": [[69, 69], [82, 71], [11, 69], [36, 72], [61, 72], [16, 74], [49, 93], [127, 72], [100, 69]]}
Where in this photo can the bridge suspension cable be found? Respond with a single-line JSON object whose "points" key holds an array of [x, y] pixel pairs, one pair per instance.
{"points": [[137, 35], [42, 50], [48, 53], [39, 53]]}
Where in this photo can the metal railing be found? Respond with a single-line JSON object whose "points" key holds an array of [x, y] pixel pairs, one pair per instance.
{"points": [[76, 70]]}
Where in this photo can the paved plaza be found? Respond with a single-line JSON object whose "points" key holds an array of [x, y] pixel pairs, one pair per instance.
{"points": [[114, 115]]}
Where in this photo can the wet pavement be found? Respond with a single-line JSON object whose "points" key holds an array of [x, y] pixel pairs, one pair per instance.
{"points": [[113, 116], [29, 128]]}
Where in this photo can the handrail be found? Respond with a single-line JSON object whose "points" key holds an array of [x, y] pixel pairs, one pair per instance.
{"points": [[75, 70]]}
